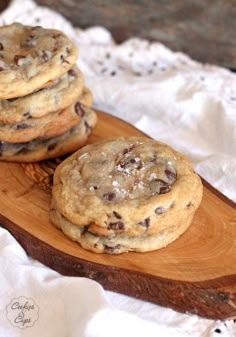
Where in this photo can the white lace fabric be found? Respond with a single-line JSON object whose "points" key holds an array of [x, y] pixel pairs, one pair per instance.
{"points": [[169, 96]]}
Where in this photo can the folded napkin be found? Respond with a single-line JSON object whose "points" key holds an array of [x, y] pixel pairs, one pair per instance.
{"points": [[170, 97]]}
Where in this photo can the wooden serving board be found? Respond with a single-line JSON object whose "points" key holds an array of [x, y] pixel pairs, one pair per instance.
{"points": [[195, 274]]}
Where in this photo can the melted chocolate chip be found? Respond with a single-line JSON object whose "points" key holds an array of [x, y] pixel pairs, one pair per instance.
{"points": [[45, 56], [1, 68], [85, 230], [17, 58], [64, 60], [109, 196], [22, 126], [27, 114], [116, 225], [111, 250], [55, 36], [52, 146], [189, 205], [159, 186], [145, 223], [171, 175], [127, 150], [87, 127], [117, 215], [29, 42], [130, 162], [159, 210], [79, 109], [1, 46], [72, 73], [164, 188]]}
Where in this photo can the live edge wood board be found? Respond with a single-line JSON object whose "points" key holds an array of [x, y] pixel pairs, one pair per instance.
{"points": [[195, 274]]}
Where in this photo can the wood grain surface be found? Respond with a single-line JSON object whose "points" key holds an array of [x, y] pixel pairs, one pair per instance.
{"points": [[204, 29], [195, 274]]}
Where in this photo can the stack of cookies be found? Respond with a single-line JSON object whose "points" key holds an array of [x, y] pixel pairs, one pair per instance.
{"points": [[44, 106], [125, 194]]}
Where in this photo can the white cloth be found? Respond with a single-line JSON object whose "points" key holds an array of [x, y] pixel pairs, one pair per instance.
{"points": [[168, 96]]}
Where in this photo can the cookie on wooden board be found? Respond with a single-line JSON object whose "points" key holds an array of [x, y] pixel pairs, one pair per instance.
{"points": [[127, 186]]}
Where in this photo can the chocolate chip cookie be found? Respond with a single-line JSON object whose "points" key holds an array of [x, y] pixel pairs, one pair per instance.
{"points": [[32, 57], [127, 188], [50, 125], [40, 149], [57, 96]]}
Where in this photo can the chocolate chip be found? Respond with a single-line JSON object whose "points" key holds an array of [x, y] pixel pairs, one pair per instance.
{"points": [[117, 215], [171, 175], [1, 46], [45, 56], [111, 250], [164, 188], [29, 42], [159, 186], [125, 151], [55, 36], [17, 58], [145, 223], [72, 73], [22, 126], [189, 205], [1, 68], [85, 230], [116, 225], [79, 109], [129, 163], [87, 127], [109, 196], [159, 210], [64, 60], [52, 146], [27, 114]]}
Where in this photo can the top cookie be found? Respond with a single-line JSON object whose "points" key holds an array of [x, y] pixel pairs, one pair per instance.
{"points": [[126, 185], [30, 57]]}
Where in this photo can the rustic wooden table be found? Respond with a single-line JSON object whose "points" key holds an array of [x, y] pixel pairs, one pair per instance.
{"points": [[204, 29]]}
